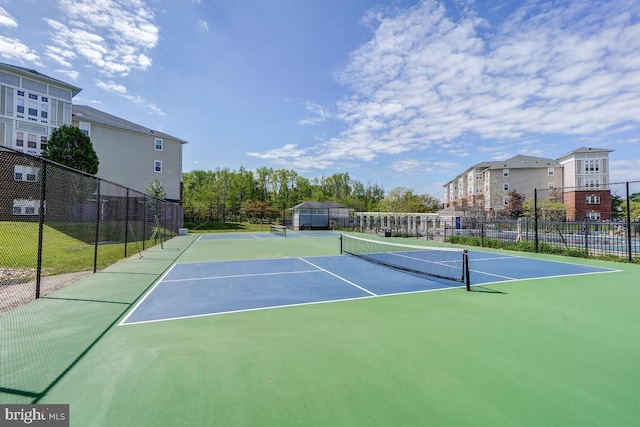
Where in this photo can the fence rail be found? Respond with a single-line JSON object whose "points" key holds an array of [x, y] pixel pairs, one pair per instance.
{"points": [[57, 223], [608, 224]]}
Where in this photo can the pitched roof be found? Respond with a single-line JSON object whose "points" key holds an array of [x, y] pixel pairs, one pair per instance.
{"points": [[36, 74], [522, 162], [88, 114], [582, 150], [320, 205]]}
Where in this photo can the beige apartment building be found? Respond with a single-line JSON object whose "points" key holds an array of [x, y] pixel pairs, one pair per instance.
{"points": [[32, 105], [579, 178], [132, 155]]}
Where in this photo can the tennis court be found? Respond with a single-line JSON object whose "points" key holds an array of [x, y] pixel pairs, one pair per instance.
{"points": [[223, 330]]}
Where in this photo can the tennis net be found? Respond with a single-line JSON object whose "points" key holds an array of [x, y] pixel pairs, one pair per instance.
{"points": [[278, 230], [443, 263]]}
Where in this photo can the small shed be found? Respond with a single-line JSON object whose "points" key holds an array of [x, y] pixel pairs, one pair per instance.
{"points": [[319, 215]]}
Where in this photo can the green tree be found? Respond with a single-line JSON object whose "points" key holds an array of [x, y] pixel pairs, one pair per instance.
{"points": [[156, 189], [618, 206], [548, 210], [402, 199], [69, 146]]}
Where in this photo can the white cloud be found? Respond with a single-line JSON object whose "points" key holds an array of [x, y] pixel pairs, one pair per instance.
{"points": [[16, 50], [625, 170], [7, 20], [114, 36], [112, 87], [121, 90], [425, 79], [317, 114], [203, 24]]}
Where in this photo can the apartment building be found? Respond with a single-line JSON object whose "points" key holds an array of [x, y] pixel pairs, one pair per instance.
{"points": [[32, 105], [586, 182], [130, 154], [579, 177]]}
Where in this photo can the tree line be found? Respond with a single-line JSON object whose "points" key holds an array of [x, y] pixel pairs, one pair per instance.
{"points": [[224, 194]]}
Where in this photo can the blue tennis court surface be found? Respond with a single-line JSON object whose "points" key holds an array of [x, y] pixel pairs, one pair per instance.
{"points": [[209, 288]]}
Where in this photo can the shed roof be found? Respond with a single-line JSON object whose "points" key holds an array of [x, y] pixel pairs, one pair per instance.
{"points": [[320, 205]]}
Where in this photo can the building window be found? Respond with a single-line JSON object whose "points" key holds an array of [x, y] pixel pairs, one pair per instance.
{"points": [[25, 173], [592, 166], [20, 107], [479, 177], [505, 172], [550, 185], [43, 143], [505, 201], [158, 144], [26, 207], [550, 171], [592, 183], [157, 166], [31, 141], [33, 108], [20, 139], [85, 128], [506, 186], [593, 200], [593, 215]]}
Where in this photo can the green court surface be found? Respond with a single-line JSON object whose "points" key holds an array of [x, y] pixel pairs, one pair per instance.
{"points": [[558, 351]]}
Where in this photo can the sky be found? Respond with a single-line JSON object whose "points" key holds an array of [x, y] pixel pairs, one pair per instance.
{"points": [[395, 92]]}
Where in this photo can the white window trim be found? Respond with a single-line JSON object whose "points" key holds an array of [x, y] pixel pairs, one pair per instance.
{"points": [[85, 127], [155, 143], [157, 163]]}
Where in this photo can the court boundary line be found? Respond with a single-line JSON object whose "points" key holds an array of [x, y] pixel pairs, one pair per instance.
{"points": [[251, 309], [149, 292], [201, 237], [339, 277], [556, 276], [231, 276], [371, 294]]}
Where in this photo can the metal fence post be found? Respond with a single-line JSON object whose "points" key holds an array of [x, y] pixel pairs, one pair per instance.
{"points": [[126, 224], [95, 250], [43, 195], [629, 247], [535, 218], [144, 221]]}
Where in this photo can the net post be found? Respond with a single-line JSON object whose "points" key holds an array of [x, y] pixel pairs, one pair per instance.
{"points": [[341, 251], [467, 279]]}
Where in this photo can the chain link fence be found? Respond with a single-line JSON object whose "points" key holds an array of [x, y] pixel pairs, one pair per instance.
{"points": [[57, 224], [601, 221]]}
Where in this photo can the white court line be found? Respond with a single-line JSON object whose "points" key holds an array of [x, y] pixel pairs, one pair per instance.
{"points": [[492, 274], [149, 292], [497, 257], [245, 310], [242, 275], [545, 277], [341, 278]]}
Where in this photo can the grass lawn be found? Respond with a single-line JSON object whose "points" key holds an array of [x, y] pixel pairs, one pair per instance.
{"points": [[61, 253]]}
